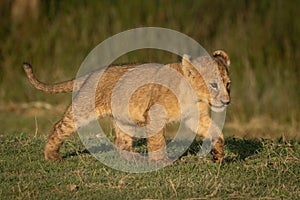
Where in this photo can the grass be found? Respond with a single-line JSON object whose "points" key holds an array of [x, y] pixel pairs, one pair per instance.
{"points": [[252, 169]]}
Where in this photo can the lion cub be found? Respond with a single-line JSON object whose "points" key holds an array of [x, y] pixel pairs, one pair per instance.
{"points": [[213, 93]]}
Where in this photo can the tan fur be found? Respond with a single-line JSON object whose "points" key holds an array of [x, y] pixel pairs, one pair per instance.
{"points": [[145, 97]]}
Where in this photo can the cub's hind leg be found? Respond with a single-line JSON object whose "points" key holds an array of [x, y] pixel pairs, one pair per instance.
{"points": [[60, 131]]}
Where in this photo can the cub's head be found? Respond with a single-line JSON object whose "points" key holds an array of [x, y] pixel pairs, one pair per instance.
{"points": [[209, 77]]}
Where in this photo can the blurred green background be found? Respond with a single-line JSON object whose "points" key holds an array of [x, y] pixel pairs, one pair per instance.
{"points": [[262, 38]]}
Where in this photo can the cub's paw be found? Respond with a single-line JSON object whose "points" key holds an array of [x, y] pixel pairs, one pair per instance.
{"points": [[52, 156], [160, 160], [217, 155]]}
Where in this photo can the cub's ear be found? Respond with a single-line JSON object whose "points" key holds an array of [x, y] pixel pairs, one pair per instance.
{"points": [[222, 55], [186, 59], [187, 66]]}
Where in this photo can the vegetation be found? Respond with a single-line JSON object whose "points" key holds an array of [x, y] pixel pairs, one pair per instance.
{"points": [[252, 169], [262, 39]]}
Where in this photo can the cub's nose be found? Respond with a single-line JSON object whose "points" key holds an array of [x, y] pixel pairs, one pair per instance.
{"points": [[225, 102]]}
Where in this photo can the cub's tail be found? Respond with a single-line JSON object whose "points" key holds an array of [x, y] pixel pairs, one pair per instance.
{"points": [[63, 87]]}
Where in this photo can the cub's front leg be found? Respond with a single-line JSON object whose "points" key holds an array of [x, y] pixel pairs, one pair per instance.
{"points": [[156, 145], [208, 130], [218, 149], [123, 141]]}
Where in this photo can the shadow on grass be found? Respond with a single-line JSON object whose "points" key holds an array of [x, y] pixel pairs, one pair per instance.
{"points": [[75, 153], [240, 149], [235, 149], [94, 149]]}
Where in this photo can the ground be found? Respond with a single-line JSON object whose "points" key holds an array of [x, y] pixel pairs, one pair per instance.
{"points": [[253, 168]]}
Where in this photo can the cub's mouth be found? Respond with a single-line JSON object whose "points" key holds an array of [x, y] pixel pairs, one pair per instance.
{"points": [[218, 108]]}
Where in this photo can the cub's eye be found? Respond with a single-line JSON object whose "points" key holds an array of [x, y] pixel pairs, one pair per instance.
{"points": [[214, 86], [228, 85]]}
